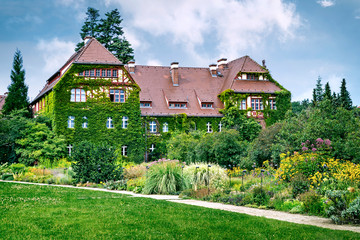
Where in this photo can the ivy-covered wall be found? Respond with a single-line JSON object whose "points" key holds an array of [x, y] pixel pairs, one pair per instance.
{"points": [[97, 109]]}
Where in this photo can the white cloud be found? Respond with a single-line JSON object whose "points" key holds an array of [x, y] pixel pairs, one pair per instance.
{"points": [[326, 3], [55, 53], [153, 62], [233, 25], [134, 40]]}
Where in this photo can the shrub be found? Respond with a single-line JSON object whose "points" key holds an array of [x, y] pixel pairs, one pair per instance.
{"points": [[116, 185], [136, 185], [94, 163], [352, 213], [131, 172], [165, 178], [300, 184], [338, 205], [17, 168], [312, 203], [259, 196], [200, 174]]}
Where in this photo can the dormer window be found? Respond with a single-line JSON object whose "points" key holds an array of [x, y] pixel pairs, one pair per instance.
{"points": [[207, 105], [145, 104], [251, 76], [92, 73], [177, 105], [98, 72], [87, 73]]}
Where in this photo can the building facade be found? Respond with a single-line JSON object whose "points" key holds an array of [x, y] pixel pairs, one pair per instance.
{"points": [[95, 97]]}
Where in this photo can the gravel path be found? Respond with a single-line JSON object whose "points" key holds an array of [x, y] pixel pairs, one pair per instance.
{"points": [[282, 216]]}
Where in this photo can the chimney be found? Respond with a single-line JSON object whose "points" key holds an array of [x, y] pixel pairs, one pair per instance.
{"points": [[263, 63], [175, 73], [131, 66], [222, 63], [213, 70], [87, 39]]}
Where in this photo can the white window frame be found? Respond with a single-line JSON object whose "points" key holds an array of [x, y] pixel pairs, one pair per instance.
{"points": [[272, 103], [97, 74], [118, 95], [257, 104], [77, 95], [208, 127], [220, 126], [85, 123], [71, 122], [124, 150], [153, 127], [165, 127], [125, 122], [109, 123], [242, 104]]}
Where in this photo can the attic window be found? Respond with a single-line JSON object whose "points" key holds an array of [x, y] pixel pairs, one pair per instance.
{"points": [[178, 105], [145, 104], [206, 105], [252, 77]]}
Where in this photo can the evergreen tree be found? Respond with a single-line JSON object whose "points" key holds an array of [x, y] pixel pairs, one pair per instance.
{"points": [[108, 32], [335, 100], [345, 100], [17, 97], [111, 35], [90, 27], [327, 93]]}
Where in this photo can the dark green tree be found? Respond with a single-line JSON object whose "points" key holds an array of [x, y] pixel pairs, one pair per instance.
{"points": [[335, 100], [318, 92], [327, 93], [111, 35], [299, 106], [345, 100], [17, 97], [90, 27]]}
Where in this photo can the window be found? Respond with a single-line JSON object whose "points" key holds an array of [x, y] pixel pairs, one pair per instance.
{"points": [[98, 72], [78, 95], [109, 123], [152, 147], [124, 150], [153, 127], [85, 123], [252, 77], [71, 122], [242, 104], [103, 73], [117, 95], [145, 104], [87, 73], [125, 122], [114, 73], [177, 105], [165, 127], [108, 73], [81, 73], [206, 105], [272, 103], [220, 126], [209, 129], [92, 72], [257, 104]]}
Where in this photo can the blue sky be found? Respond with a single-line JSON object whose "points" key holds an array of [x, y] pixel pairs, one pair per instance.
{"points": [[299, 39]]}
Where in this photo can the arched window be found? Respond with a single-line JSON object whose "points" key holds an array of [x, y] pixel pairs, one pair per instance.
{"points": [[153, 127], [208, 126], [71, 122], [109, 123], [125, 122], [85, 123], [165, 127]]}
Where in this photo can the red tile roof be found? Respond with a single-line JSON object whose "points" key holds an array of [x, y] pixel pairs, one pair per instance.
{"points": [[2, 100], [92, 53]]}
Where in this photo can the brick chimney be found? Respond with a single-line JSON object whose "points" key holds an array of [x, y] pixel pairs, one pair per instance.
{"points": [[222, 63], [175, 73], [131, 66], [213, 70], [87, 39]]}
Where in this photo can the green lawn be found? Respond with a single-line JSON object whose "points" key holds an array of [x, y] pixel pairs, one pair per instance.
{"points": [[50, 212]]}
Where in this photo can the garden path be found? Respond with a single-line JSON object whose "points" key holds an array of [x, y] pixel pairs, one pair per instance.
{"points": [[282, 216]]}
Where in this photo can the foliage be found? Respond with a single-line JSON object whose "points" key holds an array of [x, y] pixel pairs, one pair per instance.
{"points": [[17, 168], [259, 196], [201, 174], [338, 200], [37, 143], [312, 202], [132, 172], [165, 177], [107, 31], [94, 163], [345, 100], [318, 92], [299, 184], [116, 185], [298, 106], [136, 185], [182, 146], [17, 97], [352, 213]]}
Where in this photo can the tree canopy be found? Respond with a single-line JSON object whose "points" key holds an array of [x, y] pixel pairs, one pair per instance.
{"points": [[109, 32]]}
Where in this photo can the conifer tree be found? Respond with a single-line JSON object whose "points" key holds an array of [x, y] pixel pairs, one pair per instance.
{"points": [[345, 100], [18, 91], [327, 92], [335, 100], [90, 27], [109, 32]]}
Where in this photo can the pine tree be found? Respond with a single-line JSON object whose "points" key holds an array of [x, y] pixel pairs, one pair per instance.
{"points": [[18, 92], [345, 100], [318, 92], [111, 35], [327, 93], [108, 32], [335, 100], [90, 27]]}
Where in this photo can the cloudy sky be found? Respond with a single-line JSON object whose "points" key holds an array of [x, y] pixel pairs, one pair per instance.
{"points": [[299, 39]]}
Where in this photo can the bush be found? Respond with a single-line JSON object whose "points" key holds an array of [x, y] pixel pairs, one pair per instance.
{"points": [[300, 184], [17, 168], [165, 178], [136, 185], [352, 213], [94, 163], [312, 203], [338, 211], [116, 185], [259, 196], [136, 171]]}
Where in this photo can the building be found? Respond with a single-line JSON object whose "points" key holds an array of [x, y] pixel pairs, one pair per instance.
{"points": [[94, 96], [2, 100]]}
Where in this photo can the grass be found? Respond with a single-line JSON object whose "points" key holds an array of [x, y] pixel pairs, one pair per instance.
{"points": [[50, 212]]}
